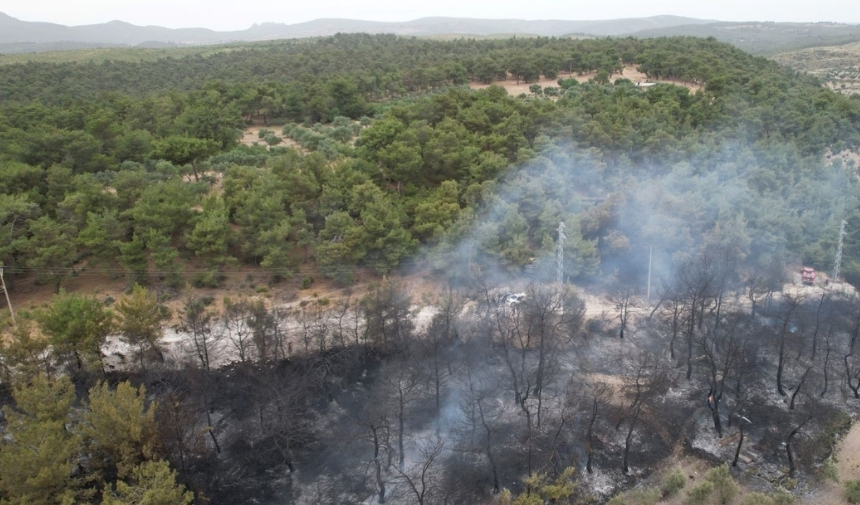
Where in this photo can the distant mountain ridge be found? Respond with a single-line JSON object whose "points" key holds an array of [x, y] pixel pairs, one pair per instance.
{"points": [[23, 33], [764, 38]]}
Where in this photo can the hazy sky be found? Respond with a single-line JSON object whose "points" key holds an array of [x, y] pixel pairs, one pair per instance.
{"points": [[236, 15]]}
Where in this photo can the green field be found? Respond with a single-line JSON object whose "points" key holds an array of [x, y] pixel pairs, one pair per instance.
{"points": [[129, 54], [837, 66]]}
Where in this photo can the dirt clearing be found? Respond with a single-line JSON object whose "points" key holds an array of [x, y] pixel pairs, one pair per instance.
{"points": [[251, 137], [516, 88], [847, 457]]}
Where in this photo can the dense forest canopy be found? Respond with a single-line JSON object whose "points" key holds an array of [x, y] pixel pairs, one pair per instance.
{"points": [[394, 164], [97, 157]]}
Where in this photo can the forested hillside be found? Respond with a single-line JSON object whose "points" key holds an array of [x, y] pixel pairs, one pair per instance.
{"points": [[97, 163], [134, 171]]}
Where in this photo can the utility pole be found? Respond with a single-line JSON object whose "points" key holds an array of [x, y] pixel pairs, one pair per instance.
{"points": [[648, 296], [560, 256], [838, 261], [6, 292]]}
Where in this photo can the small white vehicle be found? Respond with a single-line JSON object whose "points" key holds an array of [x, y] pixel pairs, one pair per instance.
{"points": [[514, 298]]}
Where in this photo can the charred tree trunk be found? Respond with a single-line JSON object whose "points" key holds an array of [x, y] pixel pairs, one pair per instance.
{"points": [[623, 312], [209, 428], [380, 483], [528, 414], [826, 374], [489, 449], [629, 438], [740, 443], [689, 336], [676, 315], [799, 386], [488, 446], [781, 365], [850, 378], [817, 326], [437, 386], [401, 454], [714, 406], [792, 467], [589, 436]]}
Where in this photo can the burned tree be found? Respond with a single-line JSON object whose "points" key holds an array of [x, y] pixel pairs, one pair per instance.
{"points": [[722, 348], [314, 326], [645, 383], [633, 416], [482, 414], [387, 316], [420, 477], [283, 410], [787, 318], [799, 387], [263, 327], [439, 337], [852, 374], [822, 311], [792, 466], [197, 321], [621, 298], [695, 282], [763, 283], [236, 330], [742, 422], [341, 311], [180, 433], [544, 330], [672, 315], [401, 384], [588, 397], [825, 370]]}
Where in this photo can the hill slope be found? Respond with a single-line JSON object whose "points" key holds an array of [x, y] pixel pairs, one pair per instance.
{"points": [[764, 38], [15, 31]]}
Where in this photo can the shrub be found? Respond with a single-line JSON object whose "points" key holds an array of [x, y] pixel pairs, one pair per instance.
{"points": [[209, 279], [644, 496], [307, 282], [638, 496], [700, 493], [342, 134], [724, 484], [852, 491], [674, 482], [264, 132], [828, 470], [758, 499], [339, 121], [617, 500], [782, 497], [568, 83]]}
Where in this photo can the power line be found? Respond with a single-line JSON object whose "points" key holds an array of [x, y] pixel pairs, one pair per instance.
{"points": [[560, 258]]}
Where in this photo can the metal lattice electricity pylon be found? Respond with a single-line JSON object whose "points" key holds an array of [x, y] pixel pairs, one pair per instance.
{"points": [[560, 256], [6, 292], [838, 261]]}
